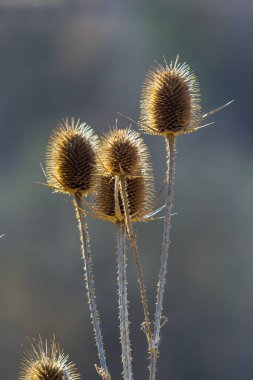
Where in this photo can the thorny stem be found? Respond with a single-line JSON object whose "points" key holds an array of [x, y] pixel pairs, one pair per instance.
{"points": [[103, 371], [123, 302], [171, 156], [131, 235]]}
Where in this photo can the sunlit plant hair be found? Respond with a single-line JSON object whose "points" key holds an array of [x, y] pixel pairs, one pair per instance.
{"points": [[71, 168], [71, 158], [170, 106], [46, 361]]}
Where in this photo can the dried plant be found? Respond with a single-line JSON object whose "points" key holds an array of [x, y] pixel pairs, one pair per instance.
{"points": [[47, 362], [117, 172], [71, 168], [124, 195], [170, 101], [123, 157], [170, 106]]}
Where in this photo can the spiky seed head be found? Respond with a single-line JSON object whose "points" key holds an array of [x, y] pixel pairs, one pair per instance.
{"points": [[170, 100], [71, 158], [122, 152], [104, 201], [136, 189], [139, 192], [47, 362]]}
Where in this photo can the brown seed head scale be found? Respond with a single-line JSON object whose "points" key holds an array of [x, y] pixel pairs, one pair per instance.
{"points": [[45, 362], [170, 100], [71, 158], [123, 152]]}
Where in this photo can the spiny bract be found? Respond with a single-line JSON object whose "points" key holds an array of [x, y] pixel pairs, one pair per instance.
{"points": [[71, 158], [170, 100], [45, 362]]}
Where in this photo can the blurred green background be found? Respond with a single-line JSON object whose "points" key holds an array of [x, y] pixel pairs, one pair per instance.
{"points": [[88, 59]]}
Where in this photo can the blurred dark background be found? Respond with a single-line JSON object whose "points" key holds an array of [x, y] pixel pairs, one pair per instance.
{"points": [[88, 59]]}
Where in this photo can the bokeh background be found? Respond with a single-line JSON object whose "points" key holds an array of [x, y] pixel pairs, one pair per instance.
{"points": [[88, 59]]}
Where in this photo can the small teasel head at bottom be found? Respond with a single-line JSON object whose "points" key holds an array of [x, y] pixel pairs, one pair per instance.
{"points": [[47, 361]]}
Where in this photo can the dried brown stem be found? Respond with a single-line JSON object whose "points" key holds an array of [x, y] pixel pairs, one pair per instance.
{"points": [[171, 156], [123, 302], [89, 280], [132, 239]]}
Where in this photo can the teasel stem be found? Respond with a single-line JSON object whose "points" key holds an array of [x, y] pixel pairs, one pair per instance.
{"points": [[146, 324], [103, 371], [171, 156], [123, 302]]}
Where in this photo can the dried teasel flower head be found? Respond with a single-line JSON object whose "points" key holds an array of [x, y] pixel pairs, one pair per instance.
{"points": [[71, 158], [139, 192], [47, 362], [122, 152], [170, 100]]}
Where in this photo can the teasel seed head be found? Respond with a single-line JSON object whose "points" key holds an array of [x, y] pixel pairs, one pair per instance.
{"points": [[47, 362], [122, 152], [71, 158], [139, 190], [170, 100]]}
